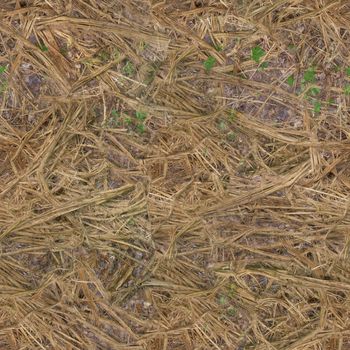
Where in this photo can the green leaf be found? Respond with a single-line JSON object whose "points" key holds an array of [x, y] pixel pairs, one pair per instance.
{"points": [[232, 116], [290, 80], [347, 71], [127, 120], [231, 136], [222, 125], [317, 107], [129, 68], [219, 47], [257, 53], [264, 65], [331, 101], [314, 91], [222, 300], [43, 48], [3, 69], [309, 76], [114, 113], [347, 89], [141, 115], [231, 311], [140, 128], [209, 63]]}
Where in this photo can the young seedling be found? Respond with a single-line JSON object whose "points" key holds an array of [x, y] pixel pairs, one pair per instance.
{"points": [[141, 128], [103, 56], [222, 125], [218, 47], [127, 120], [129, 68], [257, 53], [347, 89], [290, 80], [347, 71], [231, 311], [231, 136], [317, 107], [314, 91], [3, 69], [263, 65], [43, 48], [309, 76], [114, 113], [232, 115], [222, 300], [141, 116], [209, 63]]}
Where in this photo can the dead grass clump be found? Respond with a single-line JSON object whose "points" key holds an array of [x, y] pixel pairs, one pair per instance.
{"points": [[174, 175]]}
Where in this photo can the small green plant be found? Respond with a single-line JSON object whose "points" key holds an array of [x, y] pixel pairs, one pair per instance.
{"points": [[347, 71], [222, 300], [103, 56], [232, 115], [222, 125], [141, 128], [127, 120], [231, 136], [309, 76], [209, 63], [264, 65], [43, 47], [114, 113], [331, 101], [290, 80], [218, 47], [317, 107], [314, 91], [3, 86], [347, 89], [141, 116], [128, 68], [231, 311], [3, 69], [257, 53]]}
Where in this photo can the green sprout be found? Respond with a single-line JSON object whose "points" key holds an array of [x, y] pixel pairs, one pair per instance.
{"points": [[103, 56], [3, 69], [314, 91], [232, 115], [129, 68], [290, 80], [317, 107], [128, 120], [309, 76], [141, 128], [3, 86], [331, 101], [347, 89], [231, 136], [218, 47], [264, 65], [114, 113], [222, 125], [43, 48], [209, 63], [257, 53], [231, 311], [347, 71], [141, 115], [222, 300]]}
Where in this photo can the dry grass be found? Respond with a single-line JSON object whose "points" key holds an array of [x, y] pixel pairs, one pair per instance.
{"points": [[147, 203]]}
